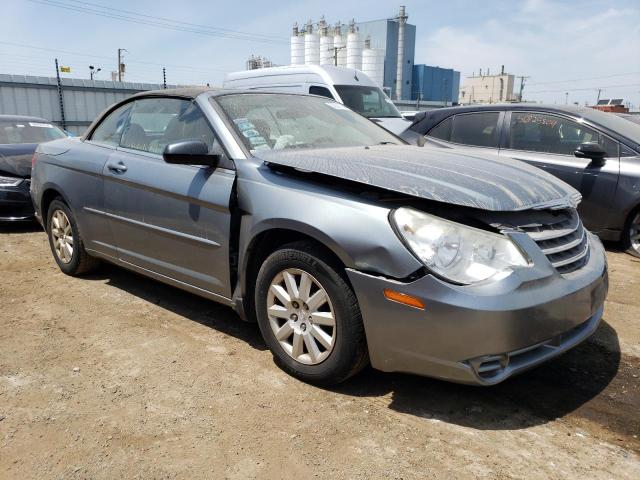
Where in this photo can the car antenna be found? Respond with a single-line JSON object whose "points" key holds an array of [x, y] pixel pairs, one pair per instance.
{"points": [[355, 75]]}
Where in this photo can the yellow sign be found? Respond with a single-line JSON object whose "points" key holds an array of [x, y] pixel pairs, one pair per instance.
{"points": [[65, 69]]}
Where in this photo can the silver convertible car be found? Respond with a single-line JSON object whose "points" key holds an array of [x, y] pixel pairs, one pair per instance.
{"points": [[346, 245]]}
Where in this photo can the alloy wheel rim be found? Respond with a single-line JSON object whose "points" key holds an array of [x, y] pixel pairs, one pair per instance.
{"points": [[301, 316], [62, 236], [634, 233]]}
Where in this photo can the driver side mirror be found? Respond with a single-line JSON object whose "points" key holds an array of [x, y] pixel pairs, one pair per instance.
{"points": [[190, 152], [594, 151]]}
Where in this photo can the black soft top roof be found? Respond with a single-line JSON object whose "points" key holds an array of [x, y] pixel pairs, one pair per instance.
{"points": [[190, 92]]}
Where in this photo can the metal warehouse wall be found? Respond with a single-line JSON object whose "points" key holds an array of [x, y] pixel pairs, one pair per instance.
{"points": [[384, 35], [435, 84], [83, 99]]}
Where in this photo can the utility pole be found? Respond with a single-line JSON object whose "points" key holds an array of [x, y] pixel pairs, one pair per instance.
{"points": [[120, 64], [335, 54], [522, 81], [164, 78], [599, 92], [60, 97], [566, 98]]}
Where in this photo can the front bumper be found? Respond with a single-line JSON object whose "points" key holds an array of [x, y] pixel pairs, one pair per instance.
{"points": [[15, 203], [482, 334]]}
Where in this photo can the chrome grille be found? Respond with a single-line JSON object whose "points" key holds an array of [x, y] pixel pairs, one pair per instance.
{"points": [[562, 239]]}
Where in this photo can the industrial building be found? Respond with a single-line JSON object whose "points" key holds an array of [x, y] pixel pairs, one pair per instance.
{"points": [[615, 105], [383, 49], [487, 88], [256, 62], [435, 84]]}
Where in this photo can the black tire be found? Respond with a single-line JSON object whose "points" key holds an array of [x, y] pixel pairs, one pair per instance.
{"points": [[81, 262], [627, 244], [349, 353]]}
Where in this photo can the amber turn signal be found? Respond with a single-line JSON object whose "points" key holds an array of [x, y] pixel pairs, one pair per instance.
{"points": [[403, 298]]}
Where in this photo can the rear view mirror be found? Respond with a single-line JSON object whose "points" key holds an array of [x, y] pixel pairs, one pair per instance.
{"points": [[190, 152], [591, 150]]}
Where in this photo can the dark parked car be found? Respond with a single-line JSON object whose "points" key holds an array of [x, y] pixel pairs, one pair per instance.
{"points": [[345, 244], [598, 153], [19, 137]]}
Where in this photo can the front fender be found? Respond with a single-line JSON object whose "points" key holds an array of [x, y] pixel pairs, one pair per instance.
{"points": [[355, 229]]}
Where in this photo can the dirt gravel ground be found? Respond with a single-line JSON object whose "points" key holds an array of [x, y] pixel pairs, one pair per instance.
{"points": [[117, 376]]}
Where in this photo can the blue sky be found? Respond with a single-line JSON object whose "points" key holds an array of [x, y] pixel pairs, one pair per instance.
{"points": [[574, 46]]}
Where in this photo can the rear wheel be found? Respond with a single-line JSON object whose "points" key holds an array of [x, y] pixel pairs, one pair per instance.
{"points": [[309, 315], [631, 234], [65, 241]]}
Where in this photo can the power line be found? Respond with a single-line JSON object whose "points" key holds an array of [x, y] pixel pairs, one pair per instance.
{"points": [[585, 79], [104, 57], [207, 27], [156, 23], [595, 88]]}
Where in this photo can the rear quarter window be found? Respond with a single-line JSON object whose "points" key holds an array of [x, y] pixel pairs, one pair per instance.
{"points": [[442, 131], [476, 129]]}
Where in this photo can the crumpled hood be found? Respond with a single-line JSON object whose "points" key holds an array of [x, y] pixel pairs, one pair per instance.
{"points": [[15, 159], [487, 182]]}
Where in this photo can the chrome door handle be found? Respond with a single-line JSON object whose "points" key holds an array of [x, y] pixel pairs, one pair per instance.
{"points": [[117, 167]]}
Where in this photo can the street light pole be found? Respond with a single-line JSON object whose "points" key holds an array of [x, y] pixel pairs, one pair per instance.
{"points": [[93, 71]]}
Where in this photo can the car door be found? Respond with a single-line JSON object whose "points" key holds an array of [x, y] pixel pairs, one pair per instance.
{"points": [[91, 156], [173, 220], [548, 141]]}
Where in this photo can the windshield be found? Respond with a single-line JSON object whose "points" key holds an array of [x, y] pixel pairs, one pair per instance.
{"points": [[281, 121], [18, 131], [368, 101]]}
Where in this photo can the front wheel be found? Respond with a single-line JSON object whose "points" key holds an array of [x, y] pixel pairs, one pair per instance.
{"points": [[631, 234], [309, 315]]}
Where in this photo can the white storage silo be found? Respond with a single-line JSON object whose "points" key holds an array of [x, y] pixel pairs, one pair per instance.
{"points": [[297, 47], [326, 50], [311, 49], [373, 64], [297, 50], [311, 46], [338, 42], [354, 48]]}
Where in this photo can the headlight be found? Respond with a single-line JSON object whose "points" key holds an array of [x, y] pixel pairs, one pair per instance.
{"points": [[10, 181], [454, 251]]}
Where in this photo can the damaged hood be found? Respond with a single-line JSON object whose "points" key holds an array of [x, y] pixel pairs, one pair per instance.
{"points": [[15, 159], [486, 182]]}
